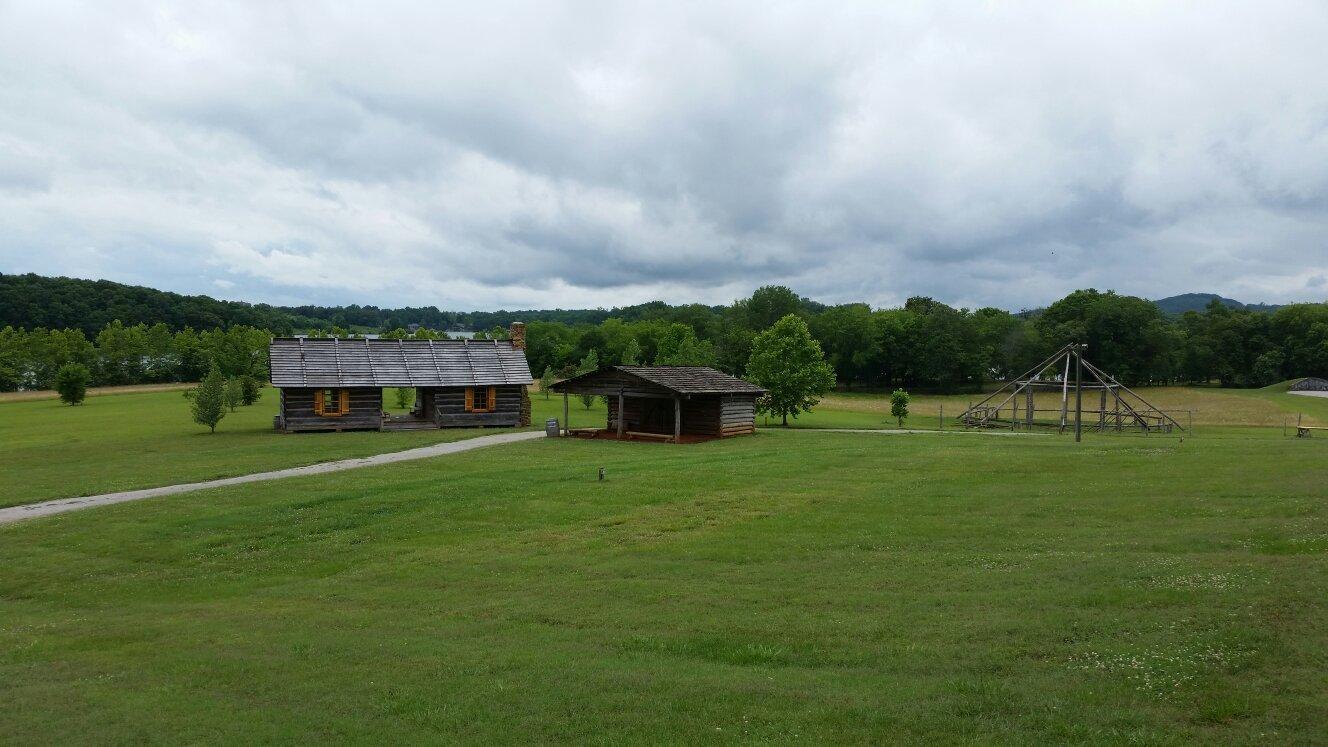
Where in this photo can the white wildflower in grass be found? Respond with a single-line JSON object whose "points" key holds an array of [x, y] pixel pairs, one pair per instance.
{"points": [[1161, 672]]}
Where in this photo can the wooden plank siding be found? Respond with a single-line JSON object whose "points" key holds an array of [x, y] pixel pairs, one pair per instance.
{"points": [[365, 413]]}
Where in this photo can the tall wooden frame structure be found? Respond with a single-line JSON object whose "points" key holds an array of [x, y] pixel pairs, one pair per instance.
{"points": [[1118, 409]]}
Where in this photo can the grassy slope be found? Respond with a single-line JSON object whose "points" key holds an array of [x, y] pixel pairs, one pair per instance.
{"points": [[789, 586], [139, 440]]}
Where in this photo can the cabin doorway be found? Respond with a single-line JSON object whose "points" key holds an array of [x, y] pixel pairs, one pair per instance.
{"points": [[413, 414]]}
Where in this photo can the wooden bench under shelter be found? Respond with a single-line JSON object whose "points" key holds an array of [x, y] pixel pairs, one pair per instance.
{"points": [[676, 404]]}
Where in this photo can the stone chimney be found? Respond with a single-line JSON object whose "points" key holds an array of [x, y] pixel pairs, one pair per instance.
{"points": [[518, 334]]}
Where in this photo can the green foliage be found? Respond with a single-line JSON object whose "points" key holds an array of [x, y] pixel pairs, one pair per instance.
{"points": [[787, 361], [250, 390], [679, 346], [588, 364], [631, 355], [233, 393], [208, 401], [548, 380], [32, 301], [71, 382], [899, 406], [405, 397]]}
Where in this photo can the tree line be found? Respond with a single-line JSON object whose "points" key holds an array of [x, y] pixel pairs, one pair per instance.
{"points": [[922, 345], [30, 301], [926, 344], [123, 354]]}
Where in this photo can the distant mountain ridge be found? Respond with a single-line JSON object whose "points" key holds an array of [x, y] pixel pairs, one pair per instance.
{"points": [[1199, 301]]}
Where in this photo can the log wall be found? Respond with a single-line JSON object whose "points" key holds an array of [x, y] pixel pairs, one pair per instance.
{"points": [[449, 408], [716, 416], [366, 411]]}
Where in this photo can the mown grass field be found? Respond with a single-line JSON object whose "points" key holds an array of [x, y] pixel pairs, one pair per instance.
{"points": [[146, 439], [791, 586], [138, 439]]}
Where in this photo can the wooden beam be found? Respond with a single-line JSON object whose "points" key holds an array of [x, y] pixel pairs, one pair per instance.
{"points": [[1078, 395], [566, 414], [677, 419], [620, 414], [1065, 392]]}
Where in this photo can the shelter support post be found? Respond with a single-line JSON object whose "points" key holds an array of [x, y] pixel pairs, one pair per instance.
{"points": [[620, 414], [567, 427], [677, 419]]}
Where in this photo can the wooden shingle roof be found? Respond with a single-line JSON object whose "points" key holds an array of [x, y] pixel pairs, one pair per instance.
{"points": [[328, 361], [680, 379]]}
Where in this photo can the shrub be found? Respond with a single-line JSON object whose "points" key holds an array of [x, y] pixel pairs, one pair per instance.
{"points": [[405, 397], [71, 382]]}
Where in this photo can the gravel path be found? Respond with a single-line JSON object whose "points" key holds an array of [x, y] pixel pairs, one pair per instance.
{"points": [[59, 506]]}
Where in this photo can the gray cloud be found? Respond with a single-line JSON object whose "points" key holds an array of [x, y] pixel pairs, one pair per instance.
{"points": [[593, 154]]}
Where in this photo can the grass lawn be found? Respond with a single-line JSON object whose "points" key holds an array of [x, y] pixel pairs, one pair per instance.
{"points": [[1204, 407], [790, 586], [145, 439]]}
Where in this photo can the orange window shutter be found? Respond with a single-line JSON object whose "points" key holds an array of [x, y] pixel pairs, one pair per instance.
{"points": [[345, 400], [318, 402], [470, 399]]}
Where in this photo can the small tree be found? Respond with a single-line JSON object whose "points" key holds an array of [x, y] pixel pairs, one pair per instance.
{"points": [[632, 353], [405, 396], [588, 364], [208, 402], [250, 390], [548, 380], [71, 381], [233, 393], [787, 361], [899, 406]]}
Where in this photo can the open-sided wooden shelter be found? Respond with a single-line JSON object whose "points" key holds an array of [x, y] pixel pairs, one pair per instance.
{"points": [[328, 384], [675, 403]]}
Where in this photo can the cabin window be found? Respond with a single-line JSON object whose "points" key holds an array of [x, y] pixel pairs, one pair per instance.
{"points": [[481, 398], [331, 403]]}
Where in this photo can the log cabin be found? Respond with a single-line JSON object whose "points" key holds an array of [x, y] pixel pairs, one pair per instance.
{"points": [[667, 403], [330, 384]]}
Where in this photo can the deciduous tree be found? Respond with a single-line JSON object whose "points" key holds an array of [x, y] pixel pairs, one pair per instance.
{"points": [[899, 406], [588, 364], [208, 399], [548, 380], [788, 362], [233, 393]]}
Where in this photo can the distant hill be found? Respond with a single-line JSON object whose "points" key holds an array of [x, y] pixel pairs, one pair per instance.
{"points": [[1199, 301], [30, 300]]}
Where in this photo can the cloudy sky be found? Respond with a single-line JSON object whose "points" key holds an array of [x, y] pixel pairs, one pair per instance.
{"points": [[487, 155]]}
